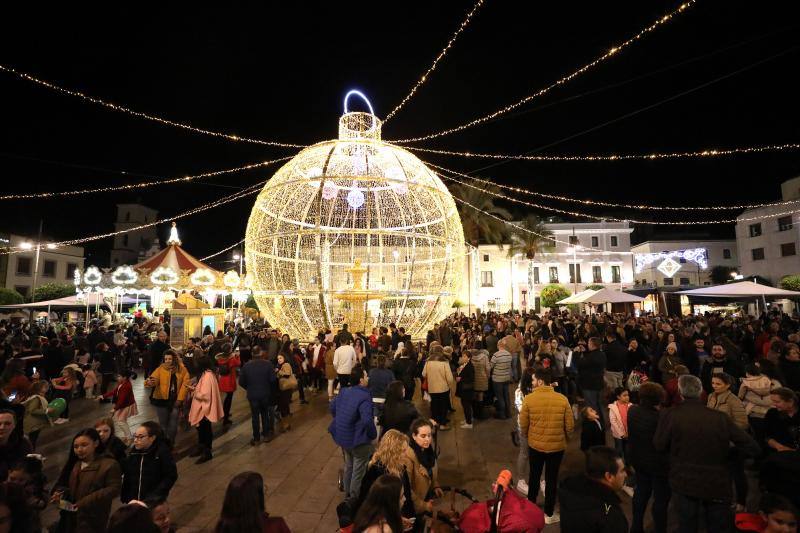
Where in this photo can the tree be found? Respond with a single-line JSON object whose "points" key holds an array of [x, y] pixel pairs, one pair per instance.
{"points": [[721, 274], [529, 239], [457, 304], [791, 283], [251, 303], [595, 287], [553, 293], [477, 225], [10, 297], [52, 291]]}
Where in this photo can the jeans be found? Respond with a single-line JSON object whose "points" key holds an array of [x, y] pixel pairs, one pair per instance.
{"points": [[355, 466], [263, 418], [439, 403], [719, 517], [226, 405], [592, 398], [466, 404], [168, 419], [658, 487], [501, 393], [550, 463]]}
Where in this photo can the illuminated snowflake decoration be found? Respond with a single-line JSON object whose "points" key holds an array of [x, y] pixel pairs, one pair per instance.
{"points": [[669, 267], [124, 275], [231, 279], [164, 276], [202, 277], [92, 276], [695, 255]]}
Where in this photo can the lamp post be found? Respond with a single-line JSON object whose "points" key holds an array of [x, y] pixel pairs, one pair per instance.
{"points": [[38, 245], [239, 257]]}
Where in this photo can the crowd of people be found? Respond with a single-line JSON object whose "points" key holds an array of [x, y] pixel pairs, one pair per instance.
{"points": [[683, 409]]}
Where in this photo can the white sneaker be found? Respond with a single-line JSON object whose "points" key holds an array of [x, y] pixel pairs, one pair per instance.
{"points": [[522, 487], [61, 421], [464, 425], [554, 518], [628, 490]]}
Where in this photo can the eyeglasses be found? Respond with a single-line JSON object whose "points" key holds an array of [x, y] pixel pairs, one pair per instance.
{"points": [[139, 437]]}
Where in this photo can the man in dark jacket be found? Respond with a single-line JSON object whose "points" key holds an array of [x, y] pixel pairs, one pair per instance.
{"points": [[589, 502], [591, 371], [343, 337], [720, 362], [652, 466], [616, 359], [258, 378], [698, 441], [353, 428], [149, 470], [155, 355]]}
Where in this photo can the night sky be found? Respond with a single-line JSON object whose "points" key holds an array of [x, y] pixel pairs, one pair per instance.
{"points": [[280, 72]]}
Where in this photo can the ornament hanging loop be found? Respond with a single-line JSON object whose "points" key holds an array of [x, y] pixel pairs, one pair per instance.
{"points": [[360, 95]]}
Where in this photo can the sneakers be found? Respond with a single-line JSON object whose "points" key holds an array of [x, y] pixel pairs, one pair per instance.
{"points": [[554, 518], [61, 421], [628, 490], [522, 487], [464, 425]]}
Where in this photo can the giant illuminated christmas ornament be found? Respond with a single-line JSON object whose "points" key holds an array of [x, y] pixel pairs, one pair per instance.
{"points": [[354, 231]]}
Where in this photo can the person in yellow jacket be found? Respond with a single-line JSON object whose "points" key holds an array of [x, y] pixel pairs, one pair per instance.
{"points": [[546, 420], [169, 392]]}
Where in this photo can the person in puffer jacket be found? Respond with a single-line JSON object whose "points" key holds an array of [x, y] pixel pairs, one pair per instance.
{"points": [[149, 471], [754, 393]]}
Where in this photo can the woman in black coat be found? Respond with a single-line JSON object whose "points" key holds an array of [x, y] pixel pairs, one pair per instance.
{"points": [[398, 413], [465, 386], [149, 470]]}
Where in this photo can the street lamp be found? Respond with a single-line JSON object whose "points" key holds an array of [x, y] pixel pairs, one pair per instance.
{"points": [[574, 250], [239, 257]]}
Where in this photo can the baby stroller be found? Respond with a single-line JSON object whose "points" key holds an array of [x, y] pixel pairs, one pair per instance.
{"points": [[507, 512]]}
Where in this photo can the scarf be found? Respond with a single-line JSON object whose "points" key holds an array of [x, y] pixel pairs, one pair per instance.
{"points": [[427, 458]]}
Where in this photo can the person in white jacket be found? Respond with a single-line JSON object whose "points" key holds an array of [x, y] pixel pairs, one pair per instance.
{"points": [[754, 392], [344, 359]]}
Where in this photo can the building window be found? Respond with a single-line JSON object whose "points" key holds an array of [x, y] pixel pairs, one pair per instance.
{"points": [[553, 274], [615, 277], [49, 269], [595, 242], [23, 266], [536, 274], [726, 253], [755, 230], [614, 241], [71, 268], [597, 274], [572, 268], [684, 281], [758, 254], [486, 279], [682, 260], [573, 239], [22, 289], [667, 281], [785, 223], [788, 249], [485, 258]]}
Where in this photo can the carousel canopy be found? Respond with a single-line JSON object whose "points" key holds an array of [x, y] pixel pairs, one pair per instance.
{"points": [[174, 257]]}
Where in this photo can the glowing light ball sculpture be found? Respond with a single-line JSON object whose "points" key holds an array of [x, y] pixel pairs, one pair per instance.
{"points": [[354, 231]]}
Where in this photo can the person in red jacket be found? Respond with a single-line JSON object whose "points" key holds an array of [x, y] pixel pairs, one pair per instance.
{"points": [[124, 404], [227, 363]]}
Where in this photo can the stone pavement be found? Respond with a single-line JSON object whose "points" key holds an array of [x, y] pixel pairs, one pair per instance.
{"points": [[300, 467]]}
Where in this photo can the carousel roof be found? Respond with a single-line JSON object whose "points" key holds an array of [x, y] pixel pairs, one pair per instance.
{"points": [[174, 257]]}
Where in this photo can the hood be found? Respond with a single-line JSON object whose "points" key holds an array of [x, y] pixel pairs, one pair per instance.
{"points": [[761, 385]]}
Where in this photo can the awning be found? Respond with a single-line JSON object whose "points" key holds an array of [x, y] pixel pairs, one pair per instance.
{"points": [[68, 301], [573, 299], [741, 289]]}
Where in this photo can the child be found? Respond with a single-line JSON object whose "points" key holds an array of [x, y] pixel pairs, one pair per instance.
{"points": [[618, 418], [63, 389], [124, 404], [37, 411], [27, 473], [592, 431], [89, 381]]}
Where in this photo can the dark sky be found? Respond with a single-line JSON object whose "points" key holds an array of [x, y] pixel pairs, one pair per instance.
{"points": [[280, 72]]}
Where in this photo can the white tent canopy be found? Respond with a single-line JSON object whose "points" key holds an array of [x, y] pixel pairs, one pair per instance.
{"points": [[575, 298], [606, 295], [741, 289], [68, 301]]}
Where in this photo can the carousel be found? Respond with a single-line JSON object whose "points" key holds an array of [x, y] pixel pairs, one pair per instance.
{"points": [[172, 279]]}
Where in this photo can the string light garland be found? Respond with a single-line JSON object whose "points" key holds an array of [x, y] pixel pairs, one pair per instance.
{"points": [[588, 66], [421, 81], [115, 107], [613, 219], [215, 254], [216, 203], [600, 203], [619, 157], [140, 185]]}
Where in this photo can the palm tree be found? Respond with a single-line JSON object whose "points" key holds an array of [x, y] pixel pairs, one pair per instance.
{"points": [[535, 240], [477, 225]]}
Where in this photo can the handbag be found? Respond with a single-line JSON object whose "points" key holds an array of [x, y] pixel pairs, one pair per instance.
{"points": [[287, 382]]}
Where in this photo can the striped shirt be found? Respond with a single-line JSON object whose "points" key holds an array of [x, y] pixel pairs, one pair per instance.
{"points": [[501, 366]]}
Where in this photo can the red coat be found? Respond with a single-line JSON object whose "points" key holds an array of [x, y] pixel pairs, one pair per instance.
{"points": [[122, 395], [320, 358], [228, 383]]}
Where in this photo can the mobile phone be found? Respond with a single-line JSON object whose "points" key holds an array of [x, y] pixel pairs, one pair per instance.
{"points": [[12, 396], [34, 370]]}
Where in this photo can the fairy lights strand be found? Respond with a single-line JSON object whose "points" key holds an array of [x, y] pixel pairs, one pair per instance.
{"points": [[215, 254], [140, 185], [115, 107], [611, 52], [613, 219], [618, 157], [421, 81], [247, 192], [612, 204]]}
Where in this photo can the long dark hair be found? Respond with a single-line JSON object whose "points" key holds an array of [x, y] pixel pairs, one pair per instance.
{"points": [[243, 507], [204, 363], [381, 504], [395, 393], [132, 517], [13, 496], [72, 460]]}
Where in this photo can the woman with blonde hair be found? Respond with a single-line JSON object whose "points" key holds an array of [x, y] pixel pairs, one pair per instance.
{"points": [[391, 458]]}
